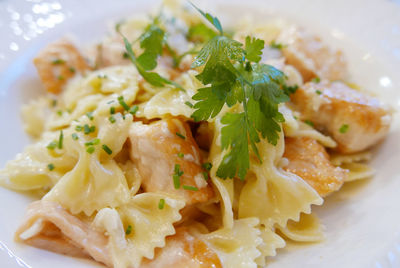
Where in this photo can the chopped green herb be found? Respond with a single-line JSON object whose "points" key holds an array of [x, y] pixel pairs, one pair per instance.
{"points": [[180, 135], [308, 122], [60, 140], [207, 166], [112, 110], [90, 149], [189, 104], [59, 113], [161, 203], [50, 166], [58, 61], [295, 117], [72, 69], [205, 175], [125, 55], [74, 136], [86, 129], [232, 74], [133, 109], [78, 128], [92, 142], [107, 149], [213, 20], [102, 76], [200, 33], [92, 129], [128, 230], [112, 119], [319, 92], [60, 77], [123, 103], [181, 155], [52, 145], [177, 175], [316, 80], [290, 89], [190, 188], [90, 115], [344, 128], [54, 103], [275, 45]]}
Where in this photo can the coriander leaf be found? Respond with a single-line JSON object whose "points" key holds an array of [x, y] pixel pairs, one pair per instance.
{"points": [[254, 49], [213, 20], [152, 41], [200, 33], [234, 137], [153, 78], [209, 104]]}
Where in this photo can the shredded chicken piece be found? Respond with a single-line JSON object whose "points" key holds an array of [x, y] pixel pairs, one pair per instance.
{"points": [[157, 148], [309, 160], [183, 250], [311, 57], [355, 120], [49, 226], [57, 63]]}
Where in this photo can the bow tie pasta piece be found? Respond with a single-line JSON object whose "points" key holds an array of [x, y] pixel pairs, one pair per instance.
{"points": [[96, 94], [86, 188], [237, 246], [30, 170], [138, 227], [283, 195], [307, 229], [270, 242], [170, 101]]}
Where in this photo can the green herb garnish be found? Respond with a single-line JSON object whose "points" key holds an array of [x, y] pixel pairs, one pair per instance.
{"points": [[58, 61], [234, 75], [188, 103], [181, 155], [107, 149], [344, 128], [133, 109], [161, 203], [308, 122], [92, 142], [190, 188], [90, 149], [74, 136], [60, 140], [316, 80], [123, 103], [112, 119], [52, 145], [50, 166], [180, 135], [275, 45], [177, 176], [90, 115], [112, 110], [128, 230]]}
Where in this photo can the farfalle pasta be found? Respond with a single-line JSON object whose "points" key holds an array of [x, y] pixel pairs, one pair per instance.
{"points": [[179, 143]]}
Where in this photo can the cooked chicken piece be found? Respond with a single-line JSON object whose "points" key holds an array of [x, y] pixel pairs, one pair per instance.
{"points": [[355, 120], [183, 250], [309, 160], [311, 57], [164, 149], [57, 63], [51, 227]]}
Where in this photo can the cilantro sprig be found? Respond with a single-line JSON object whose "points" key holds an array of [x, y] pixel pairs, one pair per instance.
{"points": [[233, 74], [152, 42]]}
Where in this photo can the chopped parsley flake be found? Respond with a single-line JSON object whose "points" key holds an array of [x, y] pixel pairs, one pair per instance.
{"points": [[190, 188], [128, 230], [180, 135], [90, 149], [344, 128], [92, 142], [72, 69], [87, 130], [60, 77], [107, 149], [74, 136], [123, 103], [316, 80], [319, 92], [58, 61], [205, 175], [275, 45], [207, 166], [308, 122], [52, 145], [59, 113], [112, 110], [161, 203], [79, 128], [60, 140], [112, 119], [177, 176], [50, 166], [90, 115], [181, 155], [133, 109]]}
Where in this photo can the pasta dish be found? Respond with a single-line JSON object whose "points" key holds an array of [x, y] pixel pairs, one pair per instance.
{"points": [[176, 141]]}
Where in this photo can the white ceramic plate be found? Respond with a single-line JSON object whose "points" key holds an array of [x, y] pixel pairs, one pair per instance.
{"points": [[362, 220]]}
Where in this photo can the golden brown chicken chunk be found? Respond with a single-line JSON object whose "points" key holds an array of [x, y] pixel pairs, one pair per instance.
{"points": [[309, 160]]}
